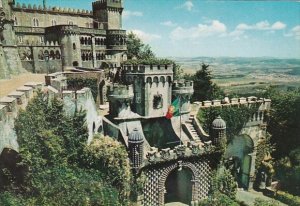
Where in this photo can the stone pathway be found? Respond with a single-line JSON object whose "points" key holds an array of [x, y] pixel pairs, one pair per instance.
{"points": [[175, 204], [9, 85], [249, 197]]}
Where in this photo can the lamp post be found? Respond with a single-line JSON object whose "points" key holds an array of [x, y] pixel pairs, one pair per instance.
{"points": [[46, 56]]}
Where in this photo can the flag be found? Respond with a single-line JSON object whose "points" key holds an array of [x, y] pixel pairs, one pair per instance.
{"points": [[173, 109]]}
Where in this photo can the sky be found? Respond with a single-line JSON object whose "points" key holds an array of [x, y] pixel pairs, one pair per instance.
{"points": [[192, 28]]}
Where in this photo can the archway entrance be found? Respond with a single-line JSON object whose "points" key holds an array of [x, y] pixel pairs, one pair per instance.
{"points": [[238, 153], [179, 186]]}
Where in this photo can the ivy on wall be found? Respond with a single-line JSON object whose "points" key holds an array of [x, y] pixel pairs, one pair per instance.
{"points": [[234, 116], [57, 171], [79, 83]]}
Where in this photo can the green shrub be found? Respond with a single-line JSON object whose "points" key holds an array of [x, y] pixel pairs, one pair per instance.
{"points": [[261, 202], [218, 199], [287, 198]]}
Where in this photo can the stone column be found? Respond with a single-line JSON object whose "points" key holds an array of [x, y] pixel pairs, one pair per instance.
{"points": [[252, 169]]}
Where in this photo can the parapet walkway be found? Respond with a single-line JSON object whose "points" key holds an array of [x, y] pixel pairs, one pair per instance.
{"points": [[9, 85]]}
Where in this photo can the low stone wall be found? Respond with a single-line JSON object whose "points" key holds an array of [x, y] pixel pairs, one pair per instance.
{"points": [[9, 108]]}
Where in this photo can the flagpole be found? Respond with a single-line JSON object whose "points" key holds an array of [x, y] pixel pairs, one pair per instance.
{"points": [[180, 118]]}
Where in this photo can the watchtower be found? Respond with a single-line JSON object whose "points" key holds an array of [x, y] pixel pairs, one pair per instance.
{"points": [[108, 14]]}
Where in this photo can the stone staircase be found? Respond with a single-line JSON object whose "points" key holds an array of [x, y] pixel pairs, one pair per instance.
{"points": [[192, 130]]}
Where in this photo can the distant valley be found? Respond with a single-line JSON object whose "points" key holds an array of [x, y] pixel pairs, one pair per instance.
{"points": [[245, 75]]}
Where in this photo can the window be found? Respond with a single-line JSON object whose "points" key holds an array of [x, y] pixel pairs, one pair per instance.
{"points": [[74, 46], [42, 39], [20, 38], [36, 22], [71, 23], [157, 101], [53, 22], [16, 21]]}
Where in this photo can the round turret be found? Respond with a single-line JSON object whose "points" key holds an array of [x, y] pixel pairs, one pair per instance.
{"points": [[136, 148], [218, 127], [135, 136], [218, 123]]}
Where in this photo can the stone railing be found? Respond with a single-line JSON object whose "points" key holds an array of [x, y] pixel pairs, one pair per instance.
{"points": [[24, 29], [181, 151]]}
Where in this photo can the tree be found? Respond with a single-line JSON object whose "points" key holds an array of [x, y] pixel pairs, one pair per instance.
{"points": [[204, 88], [110, 158], [137, 49]]}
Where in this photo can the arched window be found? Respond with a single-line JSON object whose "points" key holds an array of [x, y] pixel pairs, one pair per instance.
{"points": [[52, 55], [36, 22], [53, 22], [83, 56], [16, 23], [81, 40], [57, 54], [74, 46], [70, 22]]}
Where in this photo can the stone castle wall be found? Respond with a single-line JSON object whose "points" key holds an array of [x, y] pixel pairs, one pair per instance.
{"points": [[16, 100]]}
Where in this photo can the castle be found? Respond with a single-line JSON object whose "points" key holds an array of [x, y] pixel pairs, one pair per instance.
{"points": [[175, 156], [45, 39]]}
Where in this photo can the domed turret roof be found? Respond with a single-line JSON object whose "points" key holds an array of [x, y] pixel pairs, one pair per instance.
{"points": [[219, 123], [135, 136]]}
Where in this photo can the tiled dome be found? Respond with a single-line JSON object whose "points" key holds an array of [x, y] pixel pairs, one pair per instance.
{"points": [[135, 136], [219, 123]]}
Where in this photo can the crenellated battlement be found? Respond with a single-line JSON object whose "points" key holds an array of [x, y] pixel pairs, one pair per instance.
{"points": [[149, 69], [104, 4], [193, 149], [265, 104], [181, 87], [55, 9]]}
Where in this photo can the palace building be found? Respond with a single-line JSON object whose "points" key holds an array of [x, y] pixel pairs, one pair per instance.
{"points": [[43, 39]]}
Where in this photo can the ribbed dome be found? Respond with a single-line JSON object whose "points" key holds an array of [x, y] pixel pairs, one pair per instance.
{"points": [[135, 136], [219, 123]]}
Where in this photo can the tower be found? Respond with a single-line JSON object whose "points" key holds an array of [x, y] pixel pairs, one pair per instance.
{"points": [[218, 131], [136, 148], [108, 14], [184, 90], [152, 87]]}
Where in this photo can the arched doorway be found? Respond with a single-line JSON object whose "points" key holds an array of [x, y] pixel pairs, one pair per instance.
{"points": [[239, 152], [179, 186]]}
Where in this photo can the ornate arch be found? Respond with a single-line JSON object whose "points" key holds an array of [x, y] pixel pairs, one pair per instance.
{"points": [[166, 172]]}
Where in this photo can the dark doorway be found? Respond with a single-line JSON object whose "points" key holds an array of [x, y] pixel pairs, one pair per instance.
{"points": [[75, 64], [179, 186]]}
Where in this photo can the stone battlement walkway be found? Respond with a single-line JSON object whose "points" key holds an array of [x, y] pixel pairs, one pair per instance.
{"points": [[9, 85]]}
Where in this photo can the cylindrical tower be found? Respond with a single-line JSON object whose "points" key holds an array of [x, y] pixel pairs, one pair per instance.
{"points": [[136, 148], [218, 130], [184, 90]]}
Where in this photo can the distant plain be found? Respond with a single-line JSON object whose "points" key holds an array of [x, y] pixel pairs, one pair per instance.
{"points": [[241, 75]]}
